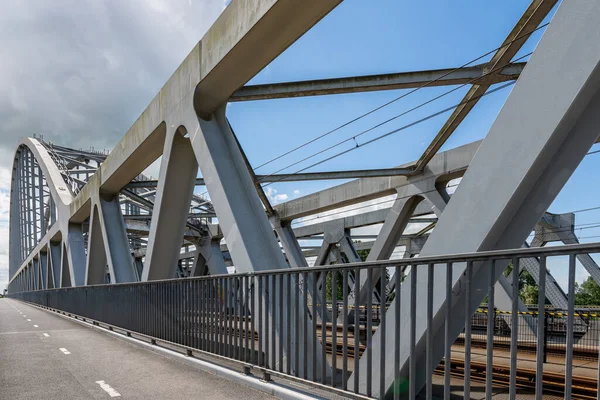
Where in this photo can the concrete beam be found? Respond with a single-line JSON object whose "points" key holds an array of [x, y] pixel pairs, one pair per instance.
{"points": [[446, 163], [245, 38], [369, 83]]}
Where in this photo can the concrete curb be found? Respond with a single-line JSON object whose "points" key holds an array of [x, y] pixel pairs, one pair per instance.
{"points": [[271, 388]]}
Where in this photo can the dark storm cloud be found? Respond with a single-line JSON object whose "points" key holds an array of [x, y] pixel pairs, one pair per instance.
{"points": [[80, 72]]}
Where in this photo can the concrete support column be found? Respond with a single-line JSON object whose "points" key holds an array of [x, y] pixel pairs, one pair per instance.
{"points": [[44, 269], [290, 244], [116, 244], [55, 264], [96, 255], [36, 273], [245, 226], [74, 258], [209, 258], [393, 227], [178, 170]]}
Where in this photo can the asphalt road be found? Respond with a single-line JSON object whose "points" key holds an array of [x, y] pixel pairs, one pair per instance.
{"points": [[44, 356]]}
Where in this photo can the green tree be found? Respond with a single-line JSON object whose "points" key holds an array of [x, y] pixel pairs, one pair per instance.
{"points": [[363, 254], [329, 285], [528, 289], [588, 293]]}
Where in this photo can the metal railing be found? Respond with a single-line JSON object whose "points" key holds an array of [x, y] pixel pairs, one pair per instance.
{"points": [[280, 321]]}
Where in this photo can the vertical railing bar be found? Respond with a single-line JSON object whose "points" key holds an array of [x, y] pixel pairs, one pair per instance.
{"points": [[266, 320], [382, 329], [570, 322], [304, 309], [324, 327], [297, 341], [468, 319], [539, 373], [412, 373], [254, 330], [229, 317], [345, 329], [218, 307], [356, 328], [273, 320], [281, 330], [314, 326], [288, 317], [369, 327], [491, 314], [208, 284], [214, 297], [202, 316], [246, 316], [398, 301], [514, 328], [223, 317], [447, 340], [429, 334], [334, 317], [259, 298], [238, 318]]}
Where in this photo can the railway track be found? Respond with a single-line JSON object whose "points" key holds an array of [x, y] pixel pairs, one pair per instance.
{"points": [[554, 383]]}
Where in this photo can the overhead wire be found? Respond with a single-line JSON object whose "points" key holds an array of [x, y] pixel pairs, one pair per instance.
{"points": [[428, 83], [353, 137]]}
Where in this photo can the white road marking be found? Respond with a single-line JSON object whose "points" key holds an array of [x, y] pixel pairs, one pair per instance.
{"points": [[35, 326], [108, 389], [45, 334], [67, 352], [28, 320]]}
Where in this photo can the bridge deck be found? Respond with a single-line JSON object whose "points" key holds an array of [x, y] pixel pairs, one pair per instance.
{"points": [[33, 366]]}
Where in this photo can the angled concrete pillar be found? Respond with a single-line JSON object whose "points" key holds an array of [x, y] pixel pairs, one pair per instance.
{"points": [[247, 231], [55, 264], [178, 170], [96, 255], [44, 269], [65, 273], [208, 258], [36, 273], [245, 226], [387, 239], [75, 258], [393, 227], [561, 228], [114, 238], [540, 136], [290, 244]]}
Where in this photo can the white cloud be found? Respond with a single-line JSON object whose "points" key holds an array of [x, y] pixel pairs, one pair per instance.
{"points": [[80, 73], [281, 197]]}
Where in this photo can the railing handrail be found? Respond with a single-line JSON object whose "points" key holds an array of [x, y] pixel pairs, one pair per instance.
{"points": [[449, 258]]}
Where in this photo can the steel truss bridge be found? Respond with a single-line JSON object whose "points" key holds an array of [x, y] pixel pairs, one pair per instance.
{"points": [[90, 233]]}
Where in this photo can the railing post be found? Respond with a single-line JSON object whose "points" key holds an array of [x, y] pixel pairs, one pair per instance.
{"points": [[545, 336]]}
